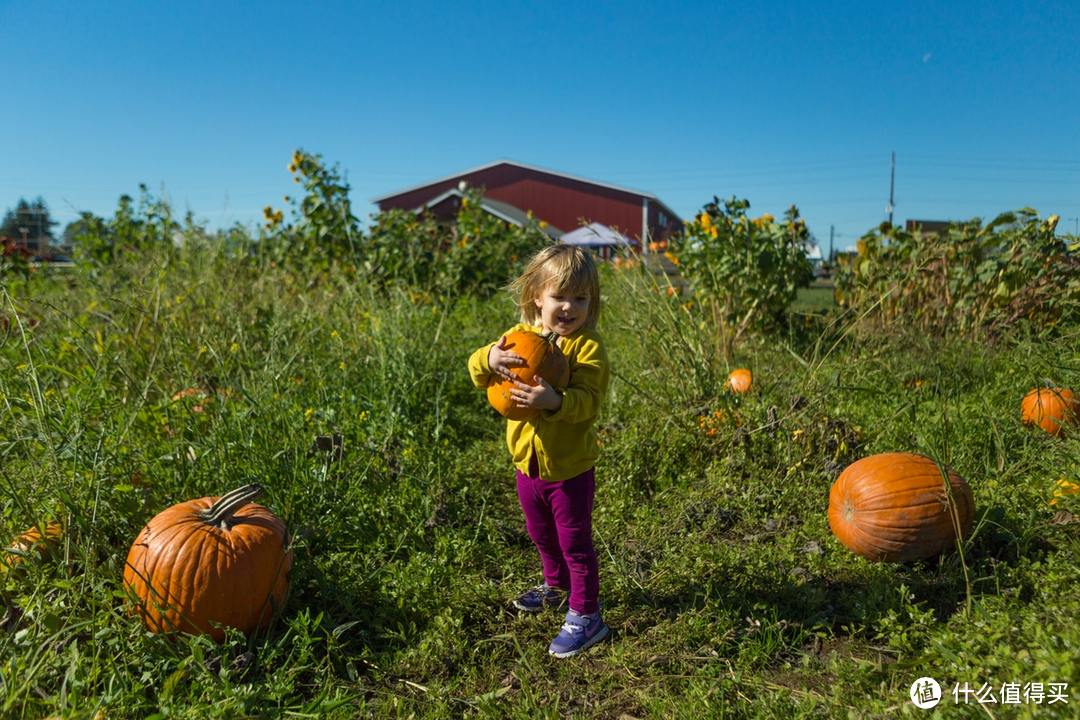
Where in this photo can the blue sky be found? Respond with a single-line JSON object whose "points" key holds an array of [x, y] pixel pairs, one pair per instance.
{"points": [[780, 103]]}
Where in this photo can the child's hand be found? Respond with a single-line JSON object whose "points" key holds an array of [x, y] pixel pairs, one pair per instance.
{"points": [[500, 360], [540, 396]]}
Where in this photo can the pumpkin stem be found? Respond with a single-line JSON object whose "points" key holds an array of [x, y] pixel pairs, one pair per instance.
{"points": [[220, 513], [551, 338]]}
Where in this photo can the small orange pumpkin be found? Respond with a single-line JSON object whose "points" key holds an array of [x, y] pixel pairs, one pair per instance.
{"points": [[31, 540], [206, 564], [1050, 408], [740, 380], [201, 398], [542, 357], [196, 392], [895, 507]]}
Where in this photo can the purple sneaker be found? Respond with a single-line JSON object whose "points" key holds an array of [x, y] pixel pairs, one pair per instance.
{"points": [[540, 597], [579, 632]]}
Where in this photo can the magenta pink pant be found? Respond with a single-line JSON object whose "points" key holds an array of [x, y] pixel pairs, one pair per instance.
{"points": [[558, 516]]}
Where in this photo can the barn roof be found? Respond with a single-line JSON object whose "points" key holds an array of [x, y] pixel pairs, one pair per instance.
{"points": [[594, 234], [534, 168], [501, 210]]}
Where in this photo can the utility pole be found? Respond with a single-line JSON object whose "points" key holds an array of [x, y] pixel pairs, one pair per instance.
{"points": [[892, 185], [832, 234], [1076, 225]]}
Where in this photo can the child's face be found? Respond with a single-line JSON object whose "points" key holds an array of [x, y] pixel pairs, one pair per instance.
{"points": [[562, 310]]}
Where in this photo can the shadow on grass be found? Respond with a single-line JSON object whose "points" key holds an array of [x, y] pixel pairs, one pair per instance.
{"points": [[842, 601]]}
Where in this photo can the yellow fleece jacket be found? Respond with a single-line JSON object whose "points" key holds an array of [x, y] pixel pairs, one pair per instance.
{"points": [[563, 441]]}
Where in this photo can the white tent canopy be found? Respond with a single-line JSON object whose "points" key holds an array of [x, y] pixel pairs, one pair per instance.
{"points": [[594, 235]]}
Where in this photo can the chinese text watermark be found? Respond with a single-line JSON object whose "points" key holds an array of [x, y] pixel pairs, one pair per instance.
{"points": [[926, 693]]}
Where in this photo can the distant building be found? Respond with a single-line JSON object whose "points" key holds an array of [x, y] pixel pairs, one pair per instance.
{"points": [[595, 235], [563, 202], [445, 207], [927, 227], [31, 244], [35, 249]]}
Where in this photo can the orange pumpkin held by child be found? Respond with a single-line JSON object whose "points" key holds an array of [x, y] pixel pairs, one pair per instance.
{"points": [[542, 357], [207, 564], [740, 380], [1050, 408], [897, 507]]}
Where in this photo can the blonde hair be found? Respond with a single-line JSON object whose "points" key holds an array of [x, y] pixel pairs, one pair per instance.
{"points": [[561, 267]]}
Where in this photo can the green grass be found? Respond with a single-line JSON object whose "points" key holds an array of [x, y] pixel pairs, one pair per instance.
{"points": [[816, 298], [726, 592]]}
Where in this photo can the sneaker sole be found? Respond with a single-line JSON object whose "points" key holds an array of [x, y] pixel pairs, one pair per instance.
{"points": [[545, 606], [600, 635]]}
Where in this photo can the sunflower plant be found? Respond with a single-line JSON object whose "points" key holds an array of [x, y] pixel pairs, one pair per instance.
{"points": [[323, 228], [744, 271], [971, 279]]}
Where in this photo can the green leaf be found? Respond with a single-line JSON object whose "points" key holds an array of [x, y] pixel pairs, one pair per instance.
{"points": [[170, 683]]}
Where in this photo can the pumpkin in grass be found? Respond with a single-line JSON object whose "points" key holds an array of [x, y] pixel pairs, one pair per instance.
{"points": [[195, 392], [542, 357], [899, 507], [42, 540], [211, 563], [739, 380], [198, 397], [1050, 408]]}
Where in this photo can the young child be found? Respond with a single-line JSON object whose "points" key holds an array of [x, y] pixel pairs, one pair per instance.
{"points": [[555, 453]]}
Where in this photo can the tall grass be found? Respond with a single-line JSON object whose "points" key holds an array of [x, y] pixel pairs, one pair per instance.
{"points": [[727, 594]]}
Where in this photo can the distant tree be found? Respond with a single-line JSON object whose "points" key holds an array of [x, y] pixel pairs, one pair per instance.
{"points": [[135, 226], [88, 224], [33, 216]]}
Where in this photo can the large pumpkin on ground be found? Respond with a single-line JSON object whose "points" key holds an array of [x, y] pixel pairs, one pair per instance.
{"points": [[542, 357], [898, 507], [210, 563], [1050, 408]]}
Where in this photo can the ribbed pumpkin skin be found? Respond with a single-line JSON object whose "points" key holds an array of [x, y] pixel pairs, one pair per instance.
{"points": [[542, 358], [740, 380], [1050, 408], [894, 507], [189, 575]]}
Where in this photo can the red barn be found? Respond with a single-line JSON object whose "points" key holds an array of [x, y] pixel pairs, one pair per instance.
{"points": [[562, 201]]}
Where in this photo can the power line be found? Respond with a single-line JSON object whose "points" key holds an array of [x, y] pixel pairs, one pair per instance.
{"points": [[958, 159], [992, 180]]}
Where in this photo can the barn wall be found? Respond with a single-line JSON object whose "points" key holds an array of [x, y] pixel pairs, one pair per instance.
{"points": [[562, 202], [658, 232]]}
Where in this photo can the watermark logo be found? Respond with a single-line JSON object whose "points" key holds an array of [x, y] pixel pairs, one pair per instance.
{"points": [[925, 693]]}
